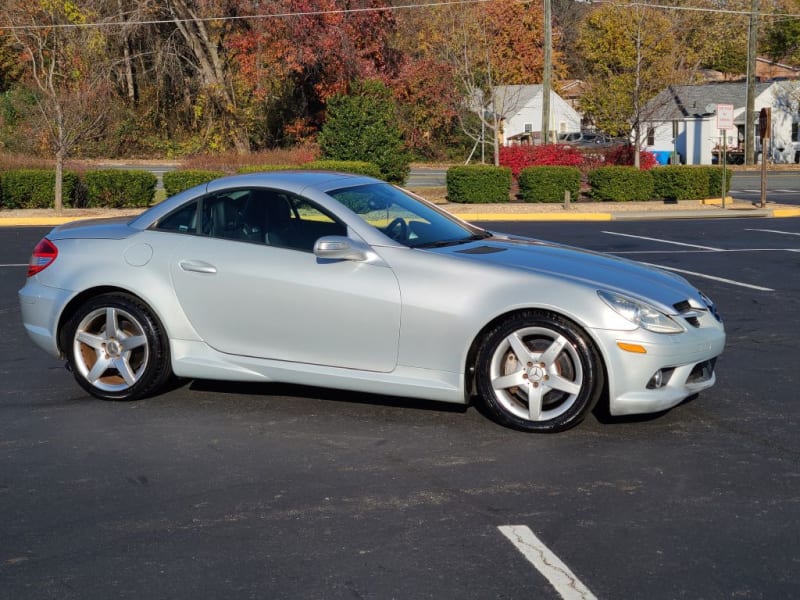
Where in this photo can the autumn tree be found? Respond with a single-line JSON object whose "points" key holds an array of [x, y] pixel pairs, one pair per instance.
{"points": [[65, 67], [485, 45], [782, 34], [310, 53], [631, 54]]}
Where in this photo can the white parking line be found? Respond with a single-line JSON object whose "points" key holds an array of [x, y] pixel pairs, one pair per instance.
{"points": [[775, 231], [13, 265], [749, 286], [548, 564], [650, 239]]}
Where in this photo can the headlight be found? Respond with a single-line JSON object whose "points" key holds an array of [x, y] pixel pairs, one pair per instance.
{"points": [[641, 314]]}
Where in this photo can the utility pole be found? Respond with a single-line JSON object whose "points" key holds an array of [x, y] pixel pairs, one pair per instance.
{"points": [[749, 119], [548, 70]]}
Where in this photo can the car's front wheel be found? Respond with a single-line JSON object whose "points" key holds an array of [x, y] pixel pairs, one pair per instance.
{"points": [[116, 348], [537, 371]]}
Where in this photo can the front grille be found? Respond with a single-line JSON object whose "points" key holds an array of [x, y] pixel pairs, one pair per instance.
{"points": [[682, 306], [688, 312]]}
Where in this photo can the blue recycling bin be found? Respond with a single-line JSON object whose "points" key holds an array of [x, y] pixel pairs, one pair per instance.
{"points": [[662, 156]]}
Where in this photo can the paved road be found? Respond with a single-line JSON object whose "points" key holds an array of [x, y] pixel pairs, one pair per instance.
{"points": [[265, 491]]}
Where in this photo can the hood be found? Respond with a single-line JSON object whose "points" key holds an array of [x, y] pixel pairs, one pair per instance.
{"points": [[593, 269]]}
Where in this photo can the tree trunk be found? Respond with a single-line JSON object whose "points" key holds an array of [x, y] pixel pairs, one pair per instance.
{"points": [[58, 203]]}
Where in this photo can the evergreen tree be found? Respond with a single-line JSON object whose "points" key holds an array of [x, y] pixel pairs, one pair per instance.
{"points": [[362, 126]]}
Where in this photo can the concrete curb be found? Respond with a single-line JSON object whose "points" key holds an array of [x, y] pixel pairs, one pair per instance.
{"points": [[717, 213]]}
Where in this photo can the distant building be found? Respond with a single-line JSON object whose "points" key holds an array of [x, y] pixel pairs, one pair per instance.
{"points": [[520, 108], [682, 119]]}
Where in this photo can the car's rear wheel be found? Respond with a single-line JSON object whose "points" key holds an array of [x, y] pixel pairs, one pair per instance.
{"points": [[537, 371], [117, 349]]}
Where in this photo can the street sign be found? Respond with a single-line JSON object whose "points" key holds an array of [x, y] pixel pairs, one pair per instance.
{"points": [[724, 116], [764, 122]]}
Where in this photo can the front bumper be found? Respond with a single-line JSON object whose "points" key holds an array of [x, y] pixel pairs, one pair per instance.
{"points": [[686, 359]]}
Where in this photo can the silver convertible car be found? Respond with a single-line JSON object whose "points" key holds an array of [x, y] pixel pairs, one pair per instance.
{"points": [[343, 281]]}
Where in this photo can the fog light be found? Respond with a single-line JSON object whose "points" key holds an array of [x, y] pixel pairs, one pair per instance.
{"points": [[659, 379]]}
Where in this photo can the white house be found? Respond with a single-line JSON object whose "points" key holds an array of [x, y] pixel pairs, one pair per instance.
{"points": [[683, 119], [520, 108]]}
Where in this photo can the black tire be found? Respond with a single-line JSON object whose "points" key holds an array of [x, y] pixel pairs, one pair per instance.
{"points": [[538, 372], [116, 348]]}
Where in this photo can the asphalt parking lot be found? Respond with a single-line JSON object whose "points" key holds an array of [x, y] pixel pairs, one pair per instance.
{"points": [[266, 491]]}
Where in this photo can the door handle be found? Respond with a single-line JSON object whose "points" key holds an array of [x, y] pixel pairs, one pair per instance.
{"points": [[197, 266]]}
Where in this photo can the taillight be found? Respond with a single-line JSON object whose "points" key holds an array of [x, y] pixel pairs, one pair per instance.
{"points": [[44, 254]]}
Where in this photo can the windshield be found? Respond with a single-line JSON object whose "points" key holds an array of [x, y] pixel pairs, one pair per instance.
{"points": [[403, 218]]}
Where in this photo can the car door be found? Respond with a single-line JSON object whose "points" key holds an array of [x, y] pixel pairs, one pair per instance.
{"points": [[251, 286]]}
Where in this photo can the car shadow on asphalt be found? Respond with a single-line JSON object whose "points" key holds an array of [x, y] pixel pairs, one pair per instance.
{"points": [[270, 389]]}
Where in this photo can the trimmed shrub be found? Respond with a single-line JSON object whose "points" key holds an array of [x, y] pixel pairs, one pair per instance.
{"points": [[680, 183], [715, 180], [478, 184], [267, 168], [178, 181], [621, 184], [35, 188], [356, 167], [113, 188], [547, 184]]}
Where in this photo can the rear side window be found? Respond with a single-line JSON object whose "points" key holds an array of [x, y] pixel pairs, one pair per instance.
{"points": [[183, 220]]}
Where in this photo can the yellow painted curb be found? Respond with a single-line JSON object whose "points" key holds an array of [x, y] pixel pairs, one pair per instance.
{"points": [[37, 221], [534, 216], [786, 212]]}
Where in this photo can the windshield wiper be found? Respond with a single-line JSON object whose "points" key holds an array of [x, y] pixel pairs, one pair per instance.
{"points": [[443, 243]]}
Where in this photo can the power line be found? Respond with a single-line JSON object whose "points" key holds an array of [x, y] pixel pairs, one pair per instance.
{"points": [[262, 16], [315, 13]]}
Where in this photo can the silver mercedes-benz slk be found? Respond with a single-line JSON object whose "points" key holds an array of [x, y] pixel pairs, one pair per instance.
{"points": [[343, 281]]}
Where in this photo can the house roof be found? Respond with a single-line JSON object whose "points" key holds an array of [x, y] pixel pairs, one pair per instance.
{"points": [[680, 101], [510, 99]]}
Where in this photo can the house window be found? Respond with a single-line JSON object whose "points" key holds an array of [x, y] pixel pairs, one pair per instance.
{"points": [[794, 132], [528, 127], [651, 136]]}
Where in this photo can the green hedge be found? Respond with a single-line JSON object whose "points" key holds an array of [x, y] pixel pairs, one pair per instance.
{"points": [[548, 184], [478, 184], [678, 182], [178, 181], [266, 168], [356, 167], [715, 180], [114, 188], [35, 188], [621, 184]]}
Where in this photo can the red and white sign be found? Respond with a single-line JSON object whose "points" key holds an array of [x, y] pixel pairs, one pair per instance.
{"points": [[724, 116]]}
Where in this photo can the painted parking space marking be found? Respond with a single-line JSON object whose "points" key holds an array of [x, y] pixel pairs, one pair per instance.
{"points": [[662, 241], [775, 231], [749, 286], [548, 564], [12, 265]]}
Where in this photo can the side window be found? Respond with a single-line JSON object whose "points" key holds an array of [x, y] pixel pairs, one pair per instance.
{"points": [[223, 214], [264, 216], [183, 220], [298, 223]]}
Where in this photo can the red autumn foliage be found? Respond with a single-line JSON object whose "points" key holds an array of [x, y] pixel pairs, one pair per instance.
{"points": [[623, 155], [519, 157]]}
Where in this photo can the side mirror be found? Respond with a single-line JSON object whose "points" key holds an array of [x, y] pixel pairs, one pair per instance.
{"points": [[337, 247]]}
